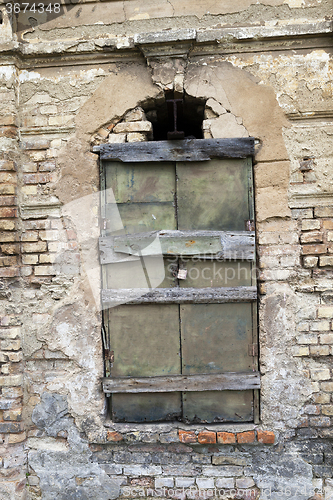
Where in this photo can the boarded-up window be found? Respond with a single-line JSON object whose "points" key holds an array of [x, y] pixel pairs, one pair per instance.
{"points": [[179, 288]]}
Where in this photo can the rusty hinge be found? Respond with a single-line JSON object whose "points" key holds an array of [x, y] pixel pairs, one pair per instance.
{"points": [[109, 355], [249, 225], [253, 350]]}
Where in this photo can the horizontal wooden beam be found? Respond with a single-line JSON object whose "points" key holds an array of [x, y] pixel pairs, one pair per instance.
{"points": [[228, 381], [176, 295], [184, 150], [223, 245]]}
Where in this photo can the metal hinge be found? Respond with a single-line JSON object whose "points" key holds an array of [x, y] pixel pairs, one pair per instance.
{"points": [[104, 223], [253, 350], [109, 355]]}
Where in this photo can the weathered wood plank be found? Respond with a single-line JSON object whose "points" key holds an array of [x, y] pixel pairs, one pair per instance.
{"points": [[217, 244], [204, 382], [179, 295], [185, 150]]}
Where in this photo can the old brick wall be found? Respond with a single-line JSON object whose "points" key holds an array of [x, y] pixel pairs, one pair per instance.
{"points": [[71, 82]]}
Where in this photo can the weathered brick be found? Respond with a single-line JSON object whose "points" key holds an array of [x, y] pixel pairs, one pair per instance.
{"points": [[36, 178], [142, 470], [310, 224], [320, 374], [114, 436], [205, 483], [9, 272], [226, 437], [325, 312], [320, 326], [8, 404], [182, 470], [184, 482], [10, 333], [323, 211], [14, 415], [10, 345], [112, 468], [327, 410], [187, 436], [12, 392], [222, 470], [137, 126], [320, 421], [321, 398], [314, 249], [40, 246], [10, 380], [45, 271], [172, 458], [7, 165], [312, 237], [29, 236], [300, 351], [319, 350], [30, 259], [16, 438], [325, 260], [8, 225], [10, 427], [8, 178], [167, 482], [225, 483], [206, 437], [8, 213], [10, 248], [245, 482], [228, 460], [246, 437]]}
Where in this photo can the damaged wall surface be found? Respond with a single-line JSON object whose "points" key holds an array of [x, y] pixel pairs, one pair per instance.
{"points": [[93, 74]]}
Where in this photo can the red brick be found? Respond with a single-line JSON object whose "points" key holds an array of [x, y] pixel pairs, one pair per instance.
{"points": [[8, 212], [114, 436], [226, 437], [71, 235], [207, 437], [246, 437], [313, 249], [187, 436], [36, 178], [266, 437]]}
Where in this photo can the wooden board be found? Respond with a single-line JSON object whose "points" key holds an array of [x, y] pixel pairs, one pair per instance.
{"points": [[214, 382], [146, 407], [213, 195], [218, 295], [185, 150], [209, 244]]}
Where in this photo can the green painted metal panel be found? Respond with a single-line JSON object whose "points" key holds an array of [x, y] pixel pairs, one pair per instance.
{"points": [[144, 183], [213, 273], [213, 195], [142, 217], [145, 340], [218, 406], [215, 337], [132, 275]]}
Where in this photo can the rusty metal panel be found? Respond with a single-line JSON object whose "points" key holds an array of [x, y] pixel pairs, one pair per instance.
{"points": [[145, 341], [132, 274], [144, 183], [218, 406], [213, 273], [213, 195]]}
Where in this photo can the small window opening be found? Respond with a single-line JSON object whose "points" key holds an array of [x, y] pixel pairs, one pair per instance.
{"points": [[176, 116], [1, 17]]}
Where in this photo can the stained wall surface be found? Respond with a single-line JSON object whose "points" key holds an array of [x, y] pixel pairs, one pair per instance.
{"points": [[264, 69]]}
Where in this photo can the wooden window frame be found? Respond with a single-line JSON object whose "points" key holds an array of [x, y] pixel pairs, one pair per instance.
{"points": [[226, 243]]}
